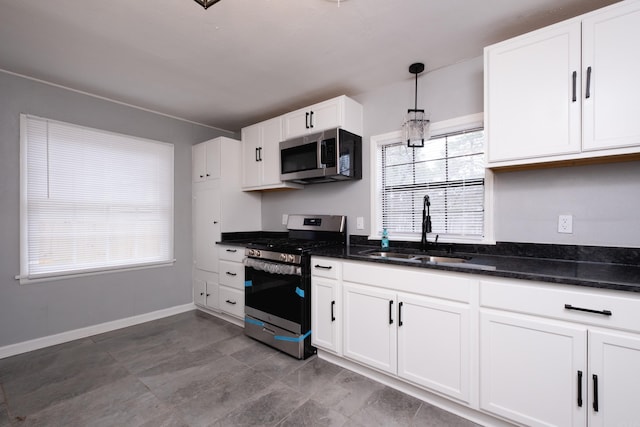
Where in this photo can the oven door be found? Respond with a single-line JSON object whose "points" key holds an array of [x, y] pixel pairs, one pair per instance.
{"points": [[274, 293]]}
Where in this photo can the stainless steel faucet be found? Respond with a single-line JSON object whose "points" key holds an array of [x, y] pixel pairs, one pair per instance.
{"points": [[426, 223]]}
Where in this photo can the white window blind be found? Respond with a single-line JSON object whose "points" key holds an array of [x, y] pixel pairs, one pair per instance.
{"points": [[449, 169], [92, 200]]}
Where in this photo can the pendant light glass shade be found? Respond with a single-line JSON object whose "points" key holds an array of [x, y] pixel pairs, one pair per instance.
{"points": [[415, 129]]}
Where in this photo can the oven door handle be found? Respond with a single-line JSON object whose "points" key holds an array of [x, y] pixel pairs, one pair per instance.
{"points": [[273, 267]]}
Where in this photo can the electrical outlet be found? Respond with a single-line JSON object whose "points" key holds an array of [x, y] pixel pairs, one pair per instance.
{"points": [[565, 224], [285, 219], [360, 223]]}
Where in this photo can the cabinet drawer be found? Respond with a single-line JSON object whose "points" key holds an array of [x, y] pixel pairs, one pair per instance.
{"points": [[231, 301], [421, 281], [232, 274], [549, 300], [323, 267], [231, 253]]}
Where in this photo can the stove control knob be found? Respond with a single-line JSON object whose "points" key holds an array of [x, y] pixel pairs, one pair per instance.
{"points": [[283, 257], [291, 258], [258, 253]]}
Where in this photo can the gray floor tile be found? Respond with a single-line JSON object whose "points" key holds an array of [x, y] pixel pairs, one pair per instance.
{"points": [[124, 402], [279, 365], [312, 413], [194, 369], [388, 407], [347, 393], [313, 376], [266, 409], [431, 416], [202, 405]]}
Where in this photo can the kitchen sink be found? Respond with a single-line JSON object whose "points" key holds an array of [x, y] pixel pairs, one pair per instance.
{"points": [[440, 259]]}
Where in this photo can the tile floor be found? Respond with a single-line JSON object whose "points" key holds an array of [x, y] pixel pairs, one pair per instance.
{"points": [[193, 369]]}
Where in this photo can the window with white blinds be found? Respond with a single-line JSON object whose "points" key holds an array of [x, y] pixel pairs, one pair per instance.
{"points": [[92, 200], [449, 169]]}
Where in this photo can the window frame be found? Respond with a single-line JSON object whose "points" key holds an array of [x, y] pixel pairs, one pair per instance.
{"points": [[24, 277], [458, 124]]}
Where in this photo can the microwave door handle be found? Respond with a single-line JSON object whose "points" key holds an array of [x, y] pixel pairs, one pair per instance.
{"points": [[322, 154]]}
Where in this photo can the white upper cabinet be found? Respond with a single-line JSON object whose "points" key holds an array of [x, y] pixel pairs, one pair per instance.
{"points": [[610, 51], [531, 111], [565, 92], [206, 160], [340, 112], [261, 156]]}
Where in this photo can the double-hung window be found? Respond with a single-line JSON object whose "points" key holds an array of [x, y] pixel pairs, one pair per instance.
{"points": [[449, 169], [92, 200]]}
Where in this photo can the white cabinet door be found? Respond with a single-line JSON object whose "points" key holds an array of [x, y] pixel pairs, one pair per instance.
{"points": [[205, 159], [529, 369], [199, 162], [326, 314], [370, 331], [271, 135], [213, 158], [610, 54], [614, 363], [315, 118], [206, 211], [530, 107], [433, 344], [199, 291], [251, 166]]}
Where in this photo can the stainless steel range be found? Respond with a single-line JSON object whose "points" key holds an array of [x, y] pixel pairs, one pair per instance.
{"points": [[278, 282]]}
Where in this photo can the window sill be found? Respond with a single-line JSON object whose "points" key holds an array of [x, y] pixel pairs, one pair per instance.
{"points": [[26, 280]]}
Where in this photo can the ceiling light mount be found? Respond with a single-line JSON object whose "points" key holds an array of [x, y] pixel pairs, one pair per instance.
{"points": [[206, 3], [415, 128]]}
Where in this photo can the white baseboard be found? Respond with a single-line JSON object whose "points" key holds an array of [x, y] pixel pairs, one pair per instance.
{"points": [[38, 343]]}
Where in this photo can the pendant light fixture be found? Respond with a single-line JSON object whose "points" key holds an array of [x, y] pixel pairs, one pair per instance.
{"points": [[415, 128], [207, 3]]}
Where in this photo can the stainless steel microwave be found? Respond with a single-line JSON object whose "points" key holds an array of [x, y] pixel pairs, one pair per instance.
{"points": [[332, 155]]}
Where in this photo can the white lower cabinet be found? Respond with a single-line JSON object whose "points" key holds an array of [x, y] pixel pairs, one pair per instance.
{"points": [[549, 355], [420, 338], [205, 292], [530, 368], [326, 314], [369, 326], [231, 289], [614, 371], [510, 351], [434, 348]]}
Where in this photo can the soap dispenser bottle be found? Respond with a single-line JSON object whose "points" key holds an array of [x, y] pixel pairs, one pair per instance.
{"points": [[384, 242]]}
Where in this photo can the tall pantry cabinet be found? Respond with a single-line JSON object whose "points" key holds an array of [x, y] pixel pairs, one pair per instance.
{"points": [[219, 205]]}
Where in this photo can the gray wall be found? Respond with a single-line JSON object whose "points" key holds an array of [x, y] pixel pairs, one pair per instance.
{"points": [[603, 199], [46, 308]]}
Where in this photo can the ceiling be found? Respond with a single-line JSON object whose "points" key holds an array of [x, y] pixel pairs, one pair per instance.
{"points": [[242, 61]]}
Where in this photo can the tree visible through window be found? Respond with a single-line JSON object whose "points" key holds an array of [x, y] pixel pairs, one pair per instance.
{"points": [[449, 169]]}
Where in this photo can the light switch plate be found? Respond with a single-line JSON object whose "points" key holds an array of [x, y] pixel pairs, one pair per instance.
{"points": [[360, 223], [285, 219]]}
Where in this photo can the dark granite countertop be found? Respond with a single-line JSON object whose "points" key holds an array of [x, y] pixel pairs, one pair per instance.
{"points": [[590, 266], [605, 275]]}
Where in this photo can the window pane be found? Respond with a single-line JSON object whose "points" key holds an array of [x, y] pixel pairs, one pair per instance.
{"points": [[94, 200], [449, 169]]}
